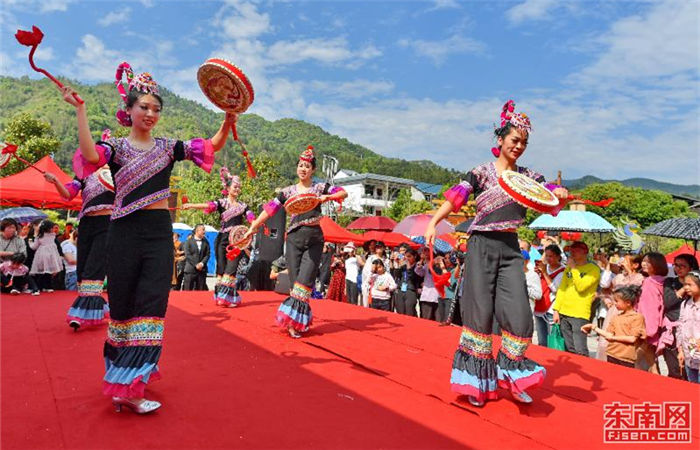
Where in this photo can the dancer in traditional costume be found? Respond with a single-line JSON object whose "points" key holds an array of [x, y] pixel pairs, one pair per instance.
{"points": [[494, 281], [232, 213], [139, 243], [89, 307], [304, 243]]}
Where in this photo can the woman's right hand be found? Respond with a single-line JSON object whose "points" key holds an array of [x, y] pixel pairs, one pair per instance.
{"points": [[67, 93], [51, 178], [555, 317], [429, 235], [248, 234]]}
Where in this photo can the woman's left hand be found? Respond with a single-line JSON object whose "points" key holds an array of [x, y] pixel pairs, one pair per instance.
{"points": [[231, 118], [561, 192]]}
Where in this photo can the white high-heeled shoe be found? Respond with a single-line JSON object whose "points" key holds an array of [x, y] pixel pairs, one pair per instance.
{"points": [[140, 406], [522, 397]]}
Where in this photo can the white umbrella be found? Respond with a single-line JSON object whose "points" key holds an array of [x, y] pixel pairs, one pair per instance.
{"points": [[181, 226]]}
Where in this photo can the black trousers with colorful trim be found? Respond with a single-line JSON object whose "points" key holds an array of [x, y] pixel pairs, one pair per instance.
{"points": [[89, 307], [494, 286], [303, 254], [225, 292], [139, 271]]}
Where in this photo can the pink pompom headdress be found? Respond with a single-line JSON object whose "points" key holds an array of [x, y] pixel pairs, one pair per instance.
{"points": [[308, 154], [143, 83], [519, 120], [228, 181]]}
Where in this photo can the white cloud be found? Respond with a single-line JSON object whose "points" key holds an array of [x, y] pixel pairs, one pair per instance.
{"points": [[438, 51], [241, 20], [322, 50], [354, 89], [54, 5], [42, 53], [94, 61], [444, 4], [113, 17], [530, 10], [663, 42]]}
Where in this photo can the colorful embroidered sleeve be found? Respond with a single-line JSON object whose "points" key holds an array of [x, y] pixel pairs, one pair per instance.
{"points": [[458, 195], [83, 168], [73, 188], [249, 215], [198, 150], [211, 207], [274, 205], [335, 190]]}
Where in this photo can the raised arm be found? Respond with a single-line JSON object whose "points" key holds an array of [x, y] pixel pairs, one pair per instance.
{"points": [[219, 139], [87, 146]]}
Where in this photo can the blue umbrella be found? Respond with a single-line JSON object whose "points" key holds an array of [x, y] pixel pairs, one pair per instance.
{"points": [[440, 245], [584, 221], [23, 214]]}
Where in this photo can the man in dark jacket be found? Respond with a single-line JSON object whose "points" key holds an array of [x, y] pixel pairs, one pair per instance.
{"points": [[196, 258]]}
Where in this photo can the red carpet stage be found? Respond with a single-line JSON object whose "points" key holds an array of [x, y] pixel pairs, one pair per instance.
{"points": [[231, 379]]}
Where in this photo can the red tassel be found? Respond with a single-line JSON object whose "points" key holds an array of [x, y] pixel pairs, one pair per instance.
{"points": [[602, 203], [249, 165], [232, 252], [266, 230]]}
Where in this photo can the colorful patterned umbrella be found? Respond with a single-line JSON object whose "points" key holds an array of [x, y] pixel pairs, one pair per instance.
{"points": [[584, 221], [679, 228], [23, 214], [416, 224], [369, 223], [439, 245]]}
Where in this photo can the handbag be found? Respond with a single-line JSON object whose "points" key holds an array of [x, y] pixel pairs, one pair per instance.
{"points": [[555, 339]]}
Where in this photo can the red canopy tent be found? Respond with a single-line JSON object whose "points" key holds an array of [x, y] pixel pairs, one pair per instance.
{"points": [[332, 232], [685, 248], [29, 188]]}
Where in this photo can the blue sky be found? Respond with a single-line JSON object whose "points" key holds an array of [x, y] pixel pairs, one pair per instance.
{"points": [[612, 87]]}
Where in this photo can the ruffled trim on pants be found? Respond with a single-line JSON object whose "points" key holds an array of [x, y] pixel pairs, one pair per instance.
{"points": [[474, 370], [131, 353], [226, 291], [295, 311], [515, 372], [89, 308]]}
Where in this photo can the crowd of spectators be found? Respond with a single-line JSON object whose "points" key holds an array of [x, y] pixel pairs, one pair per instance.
{"points": [[37, 257]]}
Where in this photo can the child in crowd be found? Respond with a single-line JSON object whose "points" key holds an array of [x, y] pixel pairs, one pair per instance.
{"points": [[381, 286], [14, 275], [626, 330], [688, 333], [47, 261]]}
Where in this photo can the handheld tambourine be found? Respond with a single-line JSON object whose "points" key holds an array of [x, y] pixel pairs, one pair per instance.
{"points": [[227, 87], [528, 192], [238, 241], [301, 203], [104, 176]]}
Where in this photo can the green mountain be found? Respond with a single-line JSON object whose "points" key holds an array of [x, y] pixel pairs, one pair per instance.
{"points": [[282, 139], [688, 190]]}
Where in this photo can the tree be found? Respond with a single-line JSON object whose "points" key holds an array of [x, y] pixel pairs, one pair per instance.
{"points": [[404, 206], [644, 206], [34, 139]]}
